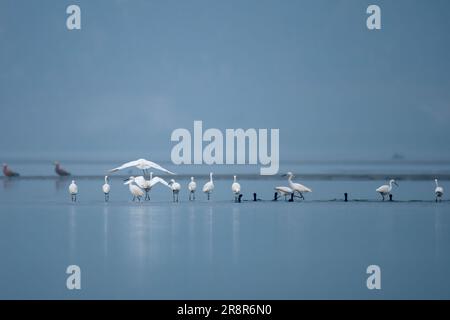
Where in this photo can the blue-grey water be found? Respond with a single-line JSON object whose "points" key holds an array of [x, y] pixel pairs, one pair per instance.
{"points": [[317, 248]]}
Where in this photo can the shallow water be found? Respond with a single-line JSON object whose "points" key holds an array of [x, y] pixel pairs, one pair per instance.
{"points": [[318, 248]]}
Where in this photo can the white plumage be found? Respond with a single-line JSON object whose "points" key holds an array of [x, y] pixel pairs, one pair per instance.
{"points": [[147, 185], [106, 188], [209, 186], [439, 191], [236, 188], [297, 187], [176, 187], [192, 186], [386, 189], [285, 191], [135, 190], [73, 190], [141, 164]]}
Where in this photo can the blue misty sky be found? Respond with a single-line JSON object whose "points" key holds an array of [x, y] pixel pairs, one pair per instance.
{"points": [[137, 70]]}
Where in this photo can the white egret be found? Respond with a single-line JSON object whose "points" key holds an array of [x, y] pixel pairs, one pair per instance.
{"points": [[297, 187], [209, 186], [135, 190], [285, 191], [106, 188], [385, 190], [175, 186], [141, 164], [439, 191], [192, 186], [148, 184], [236, 188], [73, 190]]}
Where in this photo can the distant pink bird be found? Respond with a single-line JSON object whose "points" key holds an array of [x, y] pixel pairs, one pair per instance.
{"points": [[8, 172], [60, 171]]}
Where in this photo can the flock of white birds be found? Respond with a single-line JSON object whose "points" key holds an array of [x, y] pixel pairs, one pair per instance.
{"points": [[140, 186]]}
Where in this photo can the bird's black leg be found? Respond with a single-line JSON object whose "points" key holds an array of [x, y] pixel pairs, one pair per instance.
{"points": [[134, 198]]}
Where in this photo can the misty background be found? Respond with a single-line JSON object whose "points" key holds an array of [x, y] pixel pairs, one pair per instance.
{"points": [[137, 70]]}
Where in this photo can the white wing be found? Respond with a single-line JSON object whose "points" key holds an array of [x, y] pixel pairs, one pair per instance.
{"points": [[284, 189], [140, 181], [384, 188], [192, 186], [126, 165], [156, 180], [209, 186], [301, 188], [151, 164]]}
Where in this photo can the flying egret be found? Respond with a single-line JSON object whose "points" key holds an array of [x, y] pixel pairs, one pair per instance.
{"points": [[385, 190], [236, 188], [175, 186], [106, 188], [135, 190], [143, 165], [73, 190], [60, 171], [297, 187], [148, 184], [285, 191], [209, 186], [439, 191], [8, 172], [192, 186]]}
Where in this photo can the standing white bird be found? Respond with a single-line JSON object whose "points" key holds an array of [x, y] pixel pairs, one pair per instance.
{"points": [[285, 191], [73, 190], [236, 188], [209, 186], [143, 165], [135, 190], [106, 188], [297, 187], [175, 186], [439, 191], [386, 189], [148, 184], [192, 186]]}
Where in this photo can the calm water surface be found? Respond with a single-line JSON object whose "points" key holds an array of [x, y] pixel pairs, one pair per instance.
{"points": [[319, 248]]}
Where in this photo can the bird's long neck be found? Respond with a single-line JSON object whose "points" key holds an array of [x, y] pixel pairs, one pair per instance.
{"points": [[210, 178], [437, 185], [235, 179]]}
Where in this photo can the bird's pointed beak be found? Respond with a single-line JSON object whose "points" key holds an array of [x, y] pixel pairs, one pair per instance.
{"points": [[396, 184]]}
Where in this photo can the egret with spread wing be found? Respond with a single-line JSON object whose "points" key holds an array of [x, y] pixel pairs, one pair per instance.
{"points": [[143, 165]]}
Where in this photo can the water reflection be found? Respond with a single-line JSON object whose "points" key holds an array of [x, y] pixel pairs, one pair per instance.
{"points": [[62, 183], [72, 232], [105, 231], [8, 183], [209, 240], [235, 229]]}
